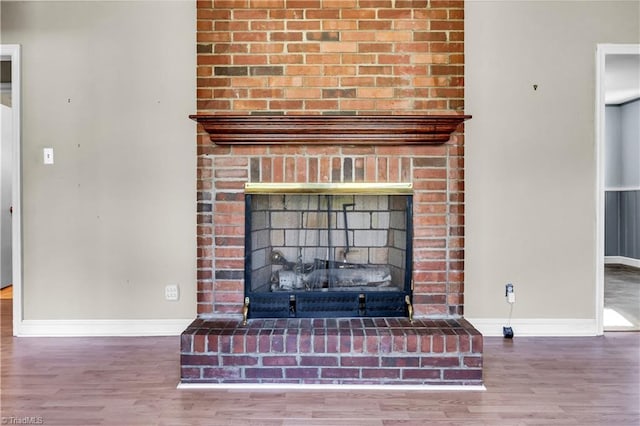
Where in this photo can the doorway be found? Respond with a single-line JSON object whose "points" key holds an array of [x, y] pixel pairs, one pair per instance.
{"points": [[6, 142], [618, 187], [10, 179]]}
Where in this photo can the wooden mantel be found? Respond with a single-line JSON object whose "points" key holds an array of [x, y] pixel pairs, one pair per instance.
{"points": [[329, 129]]}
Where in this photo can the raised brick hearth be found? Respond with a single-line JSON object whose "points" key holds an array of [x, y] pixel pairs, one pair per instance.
{"points": [[333, 351], [353, 60]]}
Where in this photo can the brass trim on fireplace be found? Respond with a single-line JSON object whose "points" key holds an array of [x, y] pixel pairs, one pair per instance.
{"points": [[407, 300], [355, 188], [245, 310]]}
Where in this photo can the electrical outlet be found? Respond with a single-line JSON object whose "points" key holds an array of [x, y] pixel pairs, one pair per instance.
{"points": [[172, 292], [509, 293]]}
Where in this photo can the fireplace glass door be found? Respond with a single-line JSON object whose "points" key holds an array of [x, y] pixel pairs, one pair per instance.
{"points": [[327, 255]]}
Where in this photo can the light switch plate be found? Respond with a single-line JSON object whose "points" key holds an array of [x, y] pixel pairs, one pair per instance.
{"points": [[48, 155]]}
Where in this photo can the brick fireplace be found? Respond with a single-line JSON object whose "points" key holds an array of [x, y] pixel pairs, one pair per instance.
{"points": [[312, 92]]}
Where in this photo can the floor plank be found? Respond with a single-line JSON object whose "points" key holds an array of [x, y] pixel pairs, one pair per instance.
{"points": [[132, 381]]}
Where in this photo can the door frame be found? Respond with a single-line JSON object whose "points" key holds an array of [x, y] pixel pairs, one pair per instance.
{"points": [[602, 50], [12, 52]]}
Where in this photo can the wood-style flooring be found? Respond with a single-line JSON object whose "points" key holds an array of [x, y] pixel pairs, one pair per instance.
{"points": [[622, 296], [6, 293], [132, 381]]}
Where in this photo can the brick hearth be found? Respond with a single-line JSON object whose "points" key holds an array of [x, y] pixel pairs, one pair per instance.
{"points": [[333, 351]]}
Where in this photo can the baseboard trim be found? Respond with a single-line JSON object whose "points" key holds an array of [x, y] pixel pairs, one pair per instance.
{"points": [[621, 260], [536, 327], [160, 327], [292, 386], [95, 328]]}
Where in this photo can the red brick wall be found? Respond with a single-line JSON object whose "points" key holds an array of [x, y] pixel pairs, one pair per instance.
{"points": [[328, 57], [323, 56]]}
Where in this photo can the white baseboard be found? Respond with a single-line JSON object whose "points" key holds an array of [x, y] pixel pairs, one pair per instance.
{"points": [[94, 328], [621, 260], [174, 327], [536, 327]]}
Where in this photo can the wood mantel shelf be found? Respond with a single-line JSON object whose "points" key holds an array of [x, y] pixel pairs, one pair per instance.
{"points": [[330, 129]]}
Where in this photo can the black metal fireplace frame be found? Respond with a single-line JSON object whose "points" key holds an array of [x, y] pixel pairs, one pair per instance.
{"points": [[329, 304]]}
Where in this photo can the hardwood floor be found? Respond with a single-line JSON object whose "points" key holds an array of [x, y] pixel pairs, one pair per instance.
{"points": [[622, 295], [6, 293], [132, 381]]}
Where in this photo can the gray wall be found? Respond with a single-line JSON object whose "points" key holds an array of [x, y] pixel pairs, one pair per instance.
{"points": [[6, 270], [622, 179], [630, 135], [113, 220], [530, 154], [109, 86], [622, 145], [622, 224], [613, 147]]}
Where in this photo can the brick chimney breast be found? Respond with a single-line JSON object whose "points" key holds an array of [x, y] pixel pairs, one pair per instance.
{"points": [[368, 61]]}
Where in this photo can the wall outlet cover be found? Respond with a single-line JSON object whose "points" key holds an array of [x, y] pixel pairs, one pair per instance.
{"points": [[171, 292]]}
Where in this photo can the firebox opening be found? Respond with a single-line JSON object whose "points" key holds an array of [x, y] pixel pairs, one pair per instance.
{"points": [[330, 254]]}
